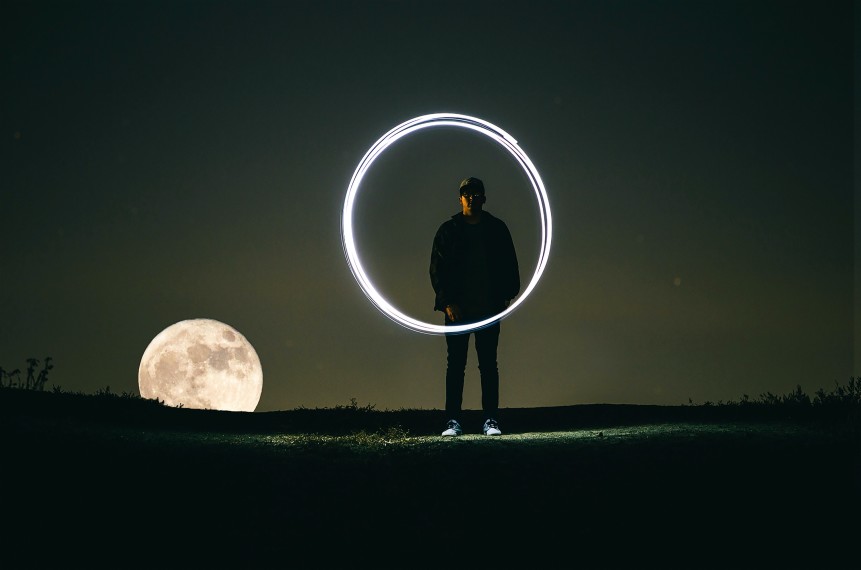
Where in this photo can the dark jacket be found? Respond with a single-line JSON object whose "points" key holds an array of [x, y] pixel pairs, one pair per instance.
{"points": [[448, 259]]}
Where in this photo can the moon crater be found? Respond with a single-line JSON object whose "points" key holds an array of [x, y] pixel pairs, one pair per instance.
{"points": [[202, 364]]}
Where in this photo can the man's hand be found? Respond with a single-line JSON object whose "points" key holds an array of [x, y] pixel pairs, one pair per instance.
{"points": [[453, 313]]}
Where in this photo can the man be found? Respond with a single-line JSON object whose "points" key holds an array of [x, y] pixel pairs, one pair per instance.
{"points": [[474, 273]]}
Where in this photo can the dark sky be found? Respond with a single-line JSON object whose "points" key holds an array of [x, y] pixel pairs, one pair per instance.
{"points": [[171, 160]]}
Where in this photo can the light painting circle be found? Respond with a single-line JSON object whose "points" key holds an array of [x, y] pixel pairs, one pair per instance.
{"points": [[406, 128]]}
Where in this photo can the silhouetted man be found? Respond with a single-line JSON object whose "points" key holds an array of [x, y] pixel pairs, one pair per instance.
{"points": [[474, 273]]}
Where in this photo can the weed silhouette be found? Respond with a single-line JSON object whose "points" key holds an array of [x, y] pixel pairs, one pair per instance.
{"points": [[33, 381]]}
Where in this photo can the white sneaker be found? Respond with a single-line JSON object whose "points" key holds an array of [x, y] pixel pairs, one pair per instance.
{"points": [[452, 429], [491, 427]]}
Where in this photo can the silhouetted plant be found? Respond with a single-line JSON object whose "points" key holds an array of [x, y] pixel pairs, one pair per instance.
{"points": [[32, 363], [43, 374], [107, 393], [104, 392], [353, 406], [10, 379], [846, 397], [849, 395], [841, 406], [33, 381], [17, 382]]}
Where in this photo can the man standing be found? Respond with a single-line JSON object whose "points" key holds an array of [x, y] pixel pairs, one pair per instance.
{"points": [[474, 273]]}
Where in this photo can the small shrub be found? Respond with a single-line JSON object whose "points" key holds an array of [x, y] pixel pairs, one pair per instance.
{"points": [[849, 395], [842, 396], [105, 392], [353, 406], [33, 381]]}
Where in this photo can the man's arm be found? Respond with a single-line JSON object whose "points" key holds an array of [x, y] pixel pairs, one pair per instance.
{"points": [[512, 270], [439, 270]]}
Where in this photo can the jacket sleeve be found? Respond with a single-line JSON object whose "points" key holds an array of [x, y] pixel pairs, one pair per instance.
{"points": [[440, 270], [511, 276]]}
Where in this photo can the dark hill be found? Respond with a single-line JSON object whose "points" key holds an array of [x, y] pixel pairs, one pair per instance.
{"points": [[137, 412], [120, 482]]}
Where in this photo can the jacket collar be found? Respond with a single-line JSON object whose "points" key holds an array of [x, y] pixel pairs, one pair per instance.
{"points": [[458, 218]]}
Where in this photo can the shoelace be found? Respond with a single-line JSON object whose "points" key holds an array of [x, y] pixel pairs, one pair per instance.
{"points": [[490, 424]]}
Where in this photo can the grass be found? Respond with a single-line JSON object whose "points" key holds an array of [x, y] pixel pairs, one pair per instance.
{"points": [[112, 479], [839, 408]]}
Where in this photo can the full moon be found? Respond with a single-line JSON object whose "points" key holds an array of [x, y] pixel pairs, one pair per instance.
{"points": [[202, 364]]}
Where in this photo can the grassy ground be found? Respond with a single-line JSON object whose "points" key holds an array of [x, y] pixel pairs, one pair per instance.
{"points": [[121, 482]]}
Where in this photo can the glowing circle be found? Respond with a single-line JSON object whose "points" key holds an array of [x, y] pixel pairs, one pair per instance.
{"points": [[413, 125]]}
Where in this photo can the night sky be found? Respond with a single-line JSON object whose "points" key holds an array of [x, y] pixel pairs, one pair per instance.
{"points": [[163, 161]]}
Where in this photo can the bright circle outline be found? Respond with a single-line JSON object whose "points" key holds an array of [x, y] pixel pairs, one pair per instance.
{"points": [[408, 127]]}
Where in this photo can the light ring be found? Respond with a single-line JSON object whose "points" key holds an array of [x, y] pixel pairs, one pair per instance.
{"points": [[408, 127]]}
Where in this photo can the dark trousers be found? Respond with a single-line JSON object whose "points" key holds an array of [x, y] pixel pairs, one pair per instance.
{"points": [[486, 342]]}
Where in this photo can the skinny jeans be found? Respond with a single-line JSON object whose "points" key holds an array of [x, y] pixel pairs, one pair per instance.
{"points": [[486, 343]]}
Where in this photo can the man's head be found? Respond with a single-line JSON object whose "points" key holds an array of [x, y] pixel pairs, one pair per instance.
{"points": [[471, 186], [472, 196]]}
